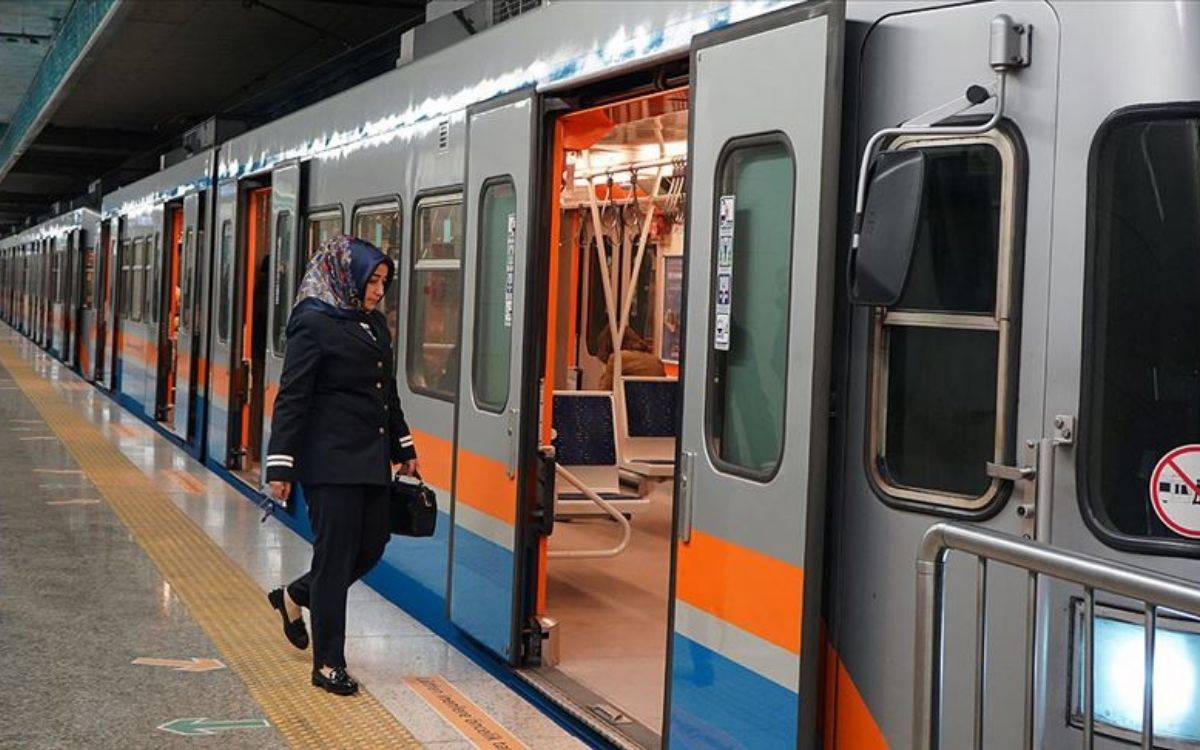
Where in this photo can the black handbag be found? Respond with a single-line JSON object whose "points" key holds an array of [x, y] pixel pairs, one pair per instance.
{"points": [[413, 510]]}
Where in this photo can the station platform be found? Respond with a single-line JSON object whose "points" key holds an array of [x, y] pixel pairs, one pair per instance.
{"points": [[132, 607]]}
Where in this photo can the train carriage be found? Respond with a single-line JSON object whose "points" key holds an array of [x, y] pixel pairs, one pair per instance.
{"points": [[708, 317]]}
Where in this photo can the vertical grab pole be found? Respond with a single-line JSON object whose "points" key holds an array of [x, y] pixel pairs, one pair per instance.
{"points": [[980, 647], [1089, 667], [927, 687], [1151, 623]]}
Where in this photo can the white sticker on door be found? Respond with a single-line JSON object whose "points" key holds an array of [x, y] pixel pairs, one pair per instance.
{"points": [[723, 302], [510, 270], [1175, 490]]}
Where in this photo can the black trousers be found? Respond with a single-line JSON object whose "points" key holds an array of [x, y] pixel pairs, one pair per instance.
{"points": [[351, 526]]}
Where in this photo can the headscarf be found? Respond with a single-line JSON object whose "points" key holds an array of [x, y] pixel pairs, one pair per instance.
{"points": [[336, 277]]}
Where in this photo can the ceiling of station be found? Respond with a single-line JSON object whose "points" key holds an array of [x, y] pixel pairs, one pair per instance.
{"points": [[27, 27], [167, 65]]}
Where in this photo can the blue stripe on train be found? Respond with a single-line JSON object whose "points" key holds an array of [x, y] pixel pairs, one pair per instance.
{"points": [[482, 595], [718, 703]]}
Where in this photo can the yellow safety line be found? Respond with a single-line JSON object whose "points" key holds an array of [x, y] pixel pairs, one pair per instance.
{"points": [[458, 710], [226, 602]]}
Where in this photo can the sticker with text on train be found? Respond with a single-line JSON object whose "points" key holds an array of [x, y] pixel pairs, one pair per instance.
{"points": [[723, 302], [1175, 490]]}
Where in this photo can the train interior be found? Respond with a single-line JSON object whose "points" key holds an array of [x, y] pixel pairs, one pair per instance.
{"points": [[618, 223], [251, 325]]}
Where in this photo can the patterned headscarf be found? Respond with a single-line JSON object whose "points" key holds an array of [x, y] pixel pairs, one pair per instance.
{"points": [[337, 275]]}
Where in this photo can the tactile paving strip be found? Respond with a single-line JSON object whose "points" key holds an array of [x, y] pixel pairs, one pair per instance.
{"points": [[226, 603]]}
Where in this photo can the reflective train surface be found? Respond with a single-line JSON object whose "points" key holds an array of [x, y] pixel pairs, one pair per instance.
{"points": [[718, 324]]}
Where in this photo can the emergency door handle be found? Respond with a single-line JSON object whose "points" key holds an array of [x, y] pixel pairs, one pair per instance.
{"points": [[683, 524], [510, 429], [1010, 473]]}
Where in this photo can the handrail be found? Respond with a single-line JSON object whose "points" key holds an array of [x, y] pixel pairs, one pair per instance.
{"points": [[607, 507], [1155, 590]]}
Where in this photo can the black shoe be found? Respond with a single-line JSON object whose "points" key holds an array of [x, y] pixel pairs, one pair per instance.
{"points": [[338, 682], [295, 631]]}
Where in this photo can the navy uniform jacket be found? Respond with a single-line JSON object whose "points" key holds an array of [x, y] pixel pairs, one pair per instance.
{"points": [[337, 417]]}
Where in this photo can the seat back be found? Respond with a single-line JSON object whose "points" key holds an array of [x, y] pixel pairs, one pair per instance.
{"points": [[650, 417], [585, 439]]}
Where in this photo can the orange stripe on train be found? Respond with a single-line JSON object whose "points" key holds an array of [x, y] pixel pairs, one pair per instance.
{"points": [[758, 593]]}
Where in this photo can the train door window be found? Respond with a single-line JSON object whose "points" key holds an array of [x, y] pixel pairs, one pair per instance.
{"points": [[225, 281], [490, 369], [153, 277], [435, 300], [940, 374], [1141, 383], [54, 295], [89, 274], [126, 278], [282, 290], [186, 278], [323, 225], [748, 375], [139, 280], [379, 224]]}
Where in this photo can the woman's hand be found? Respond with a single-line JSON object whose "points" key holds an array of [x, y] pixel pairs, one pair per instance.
{"points": [[408, 468], [281, 490]]}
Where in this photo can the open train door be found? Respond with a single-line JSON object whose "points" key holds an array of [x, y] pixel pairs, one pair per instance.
{"points": [[187, 342], [750, 490], [486, 554], [284, 276]]}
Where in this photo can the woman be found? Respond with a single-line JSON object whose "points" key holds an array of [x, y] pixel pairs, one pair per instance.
{"points": [[338, 430]]}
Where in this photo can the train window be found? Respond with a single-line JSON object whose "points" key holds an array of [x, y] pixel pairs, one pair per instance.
{"points": [[380, 225], [322, 226], [435, 298], [282, 290], [55, 292], [1141, 384], [493, 295], [225, 280], [940, 380], [139, 280], [153, 277], [748, 379], [186, 278], [641, 310]]}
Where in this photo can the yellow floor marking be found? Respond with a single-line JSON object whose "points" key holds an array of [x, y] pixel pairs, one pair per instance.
{"points": [[480, 729], [222, 598], [185, 481]]}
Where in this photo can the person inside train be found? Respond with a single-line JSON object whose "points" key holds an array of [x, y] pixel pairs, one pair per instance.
{"points": [[637, 357], [338, 430]]}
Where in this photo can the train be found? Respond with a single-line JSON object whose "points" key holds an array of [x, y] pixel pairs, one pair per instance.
{"points": [[879, 267]]}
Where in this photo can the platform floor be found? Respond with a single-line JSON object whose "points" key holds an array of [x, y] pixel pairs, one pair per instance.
{"points": [[116, 547]]}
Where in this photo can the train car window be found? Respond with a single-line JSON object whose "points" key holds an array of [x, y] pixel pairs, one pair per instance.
{"points": [[322, 226], [154, 277], [55, 293], [139, 278], [940, 380], [282, 290], [490, 367], [379, 224], [186, 278], [435, 298], [126, 278], [1141, 383], [641, 311], [747, 382], [225, 280], [89, 275]]}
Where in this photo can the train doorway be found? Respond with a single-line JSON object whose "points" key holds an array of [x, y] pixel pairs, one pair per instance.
{"points": [[614, 329], [250, 323], [168, 334]]}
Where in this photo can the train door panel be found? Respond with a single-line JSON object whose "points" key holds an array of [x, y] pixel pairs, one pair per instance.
{"points": [[221, 359], [485, 550], [750, 490], [283, 278], [250, 330], [945, 386], [187, 335], [106, 304], [91, 263], [153, 275], [166, 297]]}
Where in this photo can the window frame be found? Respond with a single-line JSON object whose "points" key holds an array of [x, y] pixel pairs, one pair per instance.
{"points": [[489, 183], [224, 304], [450, 195], [381, 204], [1004, 320], [277, 336], [1085, 495], [710, 438], [313, 216]]}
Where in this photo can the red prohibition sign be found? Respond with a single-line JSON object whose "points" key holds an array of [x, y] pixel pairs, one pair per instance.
{"points": [[1175, 492]]}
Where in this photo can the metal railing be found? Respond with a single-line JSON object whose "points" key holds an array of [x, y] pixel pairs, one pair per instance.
{"points": [[1154, 590]]}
